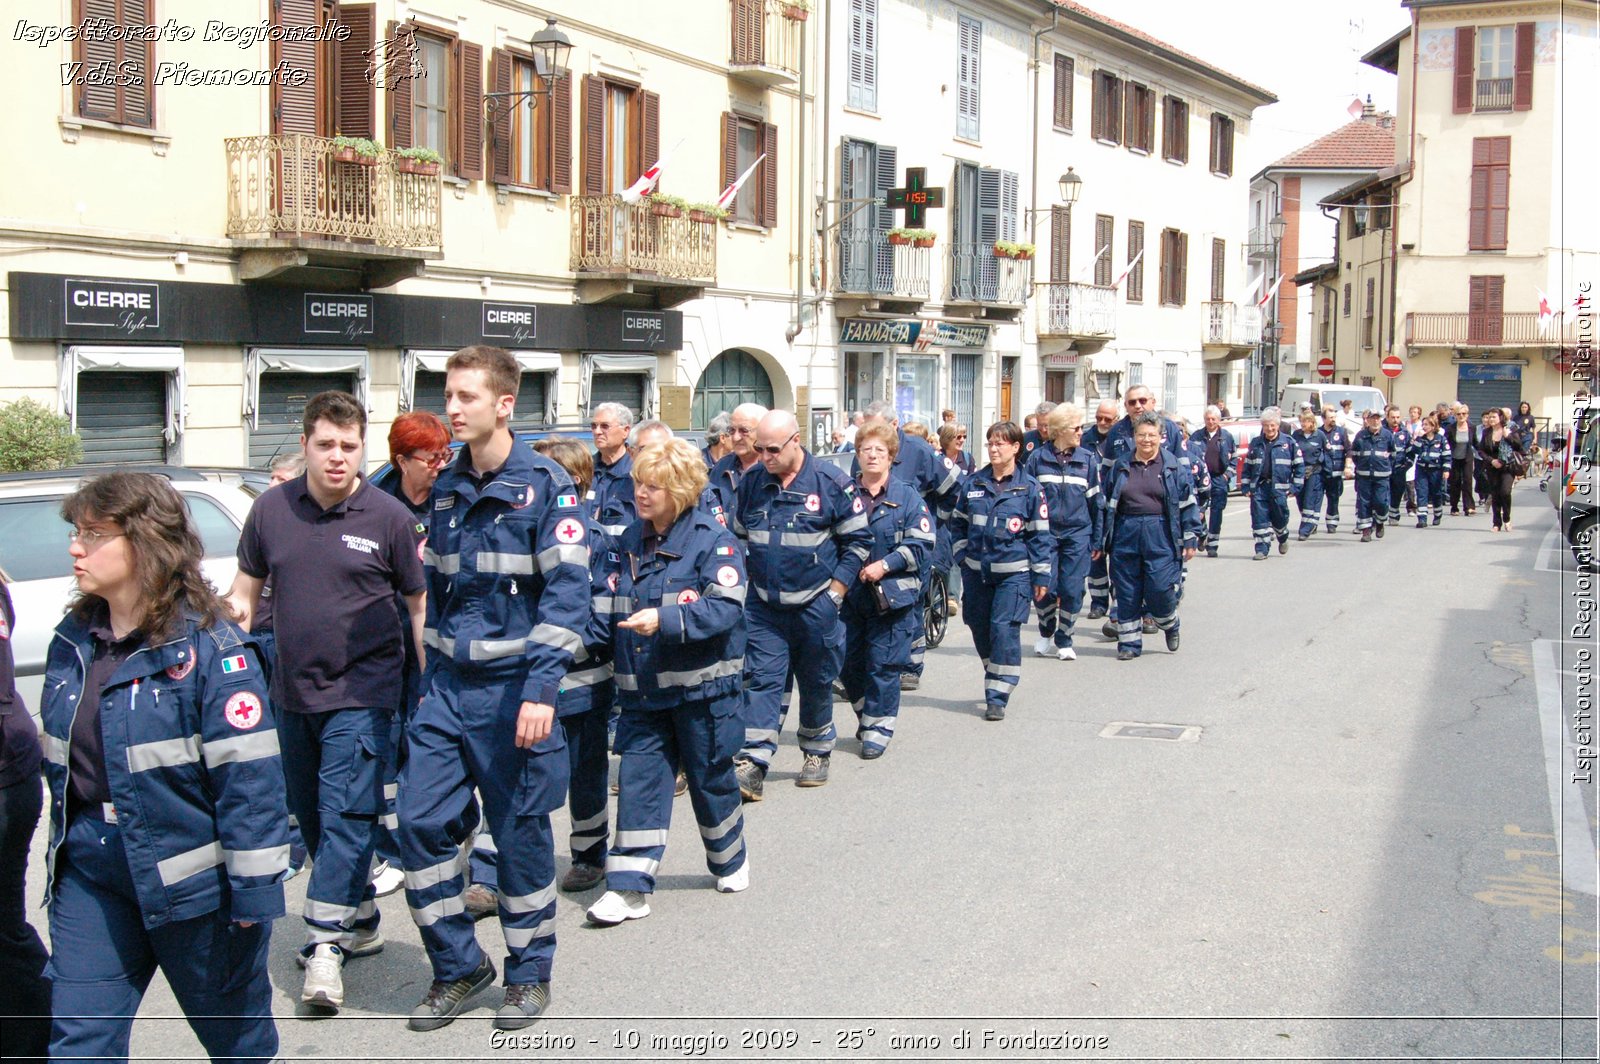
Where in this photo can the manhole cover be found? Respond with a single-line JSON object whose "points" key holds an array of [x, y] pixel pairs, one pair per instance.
{"points": [[1170, 733]]}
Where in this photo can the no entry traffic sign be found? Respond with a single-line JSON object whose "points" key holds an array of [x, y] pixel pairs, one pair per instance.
{"points": [[1392, 365]]}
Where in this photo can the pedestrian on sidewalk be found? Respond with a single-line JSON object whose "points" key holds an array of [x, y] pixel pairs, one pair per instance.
{"points": [[1502, 455]]}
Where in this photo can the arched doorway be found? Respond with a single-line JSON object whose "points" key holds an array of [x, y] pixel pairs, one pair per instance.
{"points": [[731, 378]]}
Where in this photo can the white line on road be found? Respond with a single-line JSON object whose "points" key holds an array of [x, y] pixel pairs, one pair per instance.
{"points": [[1553, 545], [1576, 842]]}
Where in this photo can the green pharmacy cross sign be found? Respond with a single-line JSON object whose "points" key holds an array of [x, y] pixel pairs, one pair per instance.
{"points": [[915, 198]]}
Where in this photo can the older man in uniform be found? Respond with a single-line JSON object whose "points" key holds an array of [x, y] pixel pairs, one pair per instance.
{"points": [[1215, 446], [611, 498], [1105, 416]]}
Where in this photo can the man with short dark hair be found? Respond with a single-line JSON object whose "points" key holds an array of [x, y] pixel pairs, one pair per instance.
{"points": [[337, 551]]}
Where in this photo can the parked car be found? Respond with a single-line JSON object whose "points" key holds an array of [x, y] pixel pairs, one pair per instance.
{"points": [[1573, 488], [1361, 399], [1244, 429], [33, 546]]}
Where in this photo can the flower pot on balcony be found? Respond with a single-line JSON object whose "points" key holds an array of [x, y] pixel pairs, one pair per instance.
{"points": [[924, 242], [664, 210], [702, 216], [412, 166], [899, 239], [345, 155], [1023, 255], [795, 13]]}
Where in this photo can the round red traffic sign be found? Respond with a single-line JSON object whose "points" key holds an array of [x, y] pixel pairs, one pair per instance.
{"points": [[1392, 365], [1325, 366]]}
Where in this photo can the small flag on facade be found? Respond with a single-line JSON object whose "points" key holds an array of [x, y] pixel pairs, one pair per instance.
{"points": [[731, 193]]}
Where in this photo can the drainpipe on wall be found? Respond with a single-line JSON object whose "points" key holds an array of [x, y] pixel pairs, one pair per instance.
{"points": [[1033, 202], [1405, 179]]}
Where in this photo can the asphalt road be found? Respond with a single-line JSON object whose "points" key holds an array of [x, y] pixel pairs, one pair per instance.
{"points": [[1366, 848]]}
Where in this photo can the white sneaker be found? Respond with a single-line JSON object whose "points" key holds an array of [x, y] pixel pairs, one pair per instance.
{"points": [[365, 944], [735, 881], [386, 879], [1066, 654], [615, 906], [324, 984], [1044, 647]]}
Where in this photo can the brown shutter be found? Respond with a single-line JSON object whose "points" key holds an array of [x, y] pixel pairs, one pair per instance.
{"points": [[102, 102], [1148, 114], [1060, 245], [1063, 93], [1478, 209], [398, 85], [468, 63], [769, 176], [1135, 269], [1218, 265], [355, 107], [501, 66], [561, 137], [294, 107], [730, 148], [1182, 293], [1130, 118], [1465, 73], [594, 136], [1522, 69], [136, 107], [649, 130], [1499, 198]]}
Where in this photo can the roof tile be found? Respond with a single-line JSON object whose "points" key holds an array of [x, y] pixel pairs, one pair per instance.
{"points": [[1366, 143]]}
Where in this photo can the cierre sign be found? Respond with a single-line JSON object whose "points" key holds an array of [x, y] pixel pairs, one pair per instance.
{"points": [[513, 321], [642, 328], [341, 313], [126, 305]]}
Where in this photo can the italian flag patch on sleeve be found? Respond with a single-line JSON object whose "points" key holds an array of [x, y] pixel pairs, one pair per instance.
{"points": [[236, 663]]}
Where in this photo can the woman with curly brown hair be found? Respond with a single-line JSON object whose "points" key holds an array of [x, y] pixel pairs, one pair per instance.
{"points": [[168, 827]]}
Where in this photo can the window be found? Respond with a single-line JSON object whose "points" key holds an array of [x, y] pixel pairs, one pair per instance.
{"points": [[1106, 122], [531, 138], [1356, 219], [1489, 213], [1347, 299], [866, 172], [1486, 300], [113, 77], [1135, 375], [1139, 118], [984, 210], [1103, 236], [430, 103], [440, 106], [1222, 145], [1169, 386], [744, 140], [1369, 312], [1060, 244], [1174, 268], [863, 63], [621, 134], [1175, 130], [1380, 203], [1063, 96], [1219, 265], [1494, 68], [1136, 270], [339, 98], [1326, 325], [969, 41]]}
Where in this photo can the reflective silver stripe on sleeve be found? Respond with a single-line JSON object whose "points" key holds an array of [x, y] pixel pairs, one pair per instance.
{"points": [[448, 564], [55, 750], [685, 677], [586, 677], [553, 635], [978, 520], [564, 554], [164, 753], [181, 866], [495, 649], [853, 523], [907, 556], [919, 534], [736, 593], [1008, 567], [508, 564], [443, 644], [251, 747], [257, 862], [610, 604]]}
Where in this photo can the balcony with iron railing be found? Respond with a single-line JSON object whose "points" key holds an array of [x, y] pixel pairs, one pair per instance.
{"points": [[766, 41], [1259, 244], [1517, 329], [1493, 94], [1080, 312], [1235, 326], [299, 202], [640, 252], [978, 275], [872, 266]]}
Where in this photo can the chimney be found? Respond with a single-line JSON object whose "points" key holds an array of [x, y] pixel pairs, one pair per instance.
{"points": [[1367, 110]]}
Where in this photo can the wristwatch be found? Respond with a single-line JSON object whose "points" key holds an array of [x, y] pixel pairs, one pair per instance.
{"points": [[838, 599]]}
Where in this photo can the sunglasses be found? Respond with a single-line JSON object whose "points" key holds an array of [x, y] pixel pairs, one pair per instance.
{"points": [[432, 461], [775, 450]]}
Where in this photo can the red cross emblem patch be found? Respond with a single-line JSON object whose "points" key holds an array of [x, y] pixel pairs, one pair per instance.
{"points": [[1014, 524], [569, 530]]}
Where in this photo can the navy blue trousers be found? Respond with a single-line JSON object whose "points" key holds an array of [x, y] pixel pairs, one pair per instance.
{"points": [[1147, 575], [1269, 515], [587, 767], [464, 734], [807, 640], [1372, 500], [22, 955], [1058, 613], [104, 958], [1310, 500], [1219, 503], [876, 649], [1100, 584], [335, 764], [1332, 489], [1430, 495], [700, 738], [995, 609]]}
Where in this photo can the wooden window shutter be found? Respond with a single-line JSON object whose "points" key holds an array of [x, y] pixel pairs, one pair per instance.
{"points": [[1466, 69], [1499, 194], [1219, 263], [1216, 141], [730, 148], [136, 98], [356, 106], [594, 136], [1130, 120], [294, 107], [1060, 244], [561, 137], [1103, 226], [1522, 69], [468, 69], [768, 172], [101, 102], [1183, 269], [1147, 115], [1163, 282], [1478, 209], [1063, 93], [501, 67], [1135, 269], [649, 130], [125, 104], [399, 88]]}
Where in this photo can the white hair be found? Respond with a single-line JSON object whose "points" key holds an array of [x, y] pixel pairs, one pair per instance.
{"points": [[1213, 410], [650, 426], [1271, 413], [616, 411], [749, 411]]}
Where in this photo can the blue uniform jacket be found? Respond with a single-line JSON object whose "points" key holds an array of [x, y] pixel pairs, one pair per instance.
{"points": [[1335, 447], [1071, 490], [1401, 454], [1431, 452], [1311, 446], [1118, 444], [1227, 447], [1182, 513], [934, 476], [191, 752], [508, 572], [696, 579], [722, 480], [1195, 447], [1372, 453], [902, 538], [800, 537], [611, 496], [591, 663], [1000, 529], [1279, 462]]}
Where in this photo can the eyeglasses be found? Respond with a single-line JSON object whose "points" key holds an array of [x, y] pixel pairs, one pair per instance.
{"points": [[601, 426], [961, 435], [1104, 419], [737, 431], [1141, 402], [90, 538], [432, 461], [775, 450]]}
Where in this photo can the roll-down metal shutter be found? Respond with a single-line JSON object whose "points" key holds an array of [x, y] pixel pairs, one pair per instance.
{"points": [[121, 416], [281, 405]]}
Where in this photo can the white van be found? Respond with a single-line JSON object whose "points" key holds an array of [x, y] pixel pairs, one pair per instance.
{"points": [[1319, 395]]}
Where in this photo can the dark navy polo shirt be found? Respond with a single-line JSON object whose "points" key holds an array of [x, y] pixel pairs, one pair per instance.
{"points": [[87, 782], [334, 577], [1145, 491]]}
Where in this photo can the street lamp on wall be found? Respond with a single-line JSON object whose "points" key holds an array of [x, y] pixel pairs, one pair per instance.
{"points": [[1069, 186], [551, 49]]}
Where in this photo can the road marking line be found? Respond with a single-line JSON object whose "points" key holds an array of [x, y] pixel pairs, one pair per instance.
{"points": [[1567, 812], [1552, 543]]}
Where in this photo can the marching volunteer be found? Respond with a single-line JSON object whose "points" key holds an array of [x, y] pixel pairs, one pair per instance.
{"points": [[1335, 450], [677, 598], [1105, 416], [1400, 460], [805, 532], [169, 835], [1000, 533], [1215, 450], [1431, 453], [22, 954], [1372, 454], [1151, 528], [611, 498], [878, 611], [1312, 443], [1069, 474], [1273, 467], [507, 563], [723, 479]]}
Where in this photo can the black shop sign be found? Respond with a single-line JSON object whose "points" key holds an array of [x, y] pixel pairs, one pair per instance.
{"points": [[121, 306]]}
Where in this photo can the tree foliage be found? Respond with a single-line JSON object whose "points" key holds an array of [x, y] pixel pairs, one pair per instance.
{"points": [[34, 437]]}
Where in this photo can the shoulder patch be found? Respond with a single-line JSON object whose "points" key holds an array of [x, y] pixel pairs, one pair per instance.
{"points": [[728, 576], [225, 636], [566, 501], [243, 710]]}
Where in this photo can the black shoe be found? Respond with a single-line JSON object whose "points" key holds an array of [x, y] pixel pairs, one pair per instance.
{"points": [[1379, 529], [1109, 629], [582, 877], [1096, 612], [1423, 523], [993, 711], [1172, 640], [445, 1001], [1211, 552], [1123, 654], [680, 786], [525, 1002], [1283, 545], [1148, 627], [813, 771], [871, 751], [1436, 520]]}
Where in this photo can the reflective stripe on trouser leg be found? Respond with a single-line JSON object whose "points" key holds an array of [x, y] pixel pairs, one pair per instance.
{"points": [[1397, 491], [586, 795], [1218, 503], [1006, 609], [1261, 519], [527, 896], [766, 680], [1147, 574], [707, 735], [647, 744], [1071, 570], [1372, 501], [1277, 501], [879, 646], [1047, 616], [816, 638], [919, 633], [1099, 583], [1332, 489], [1310, 499], [482, 859]]}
